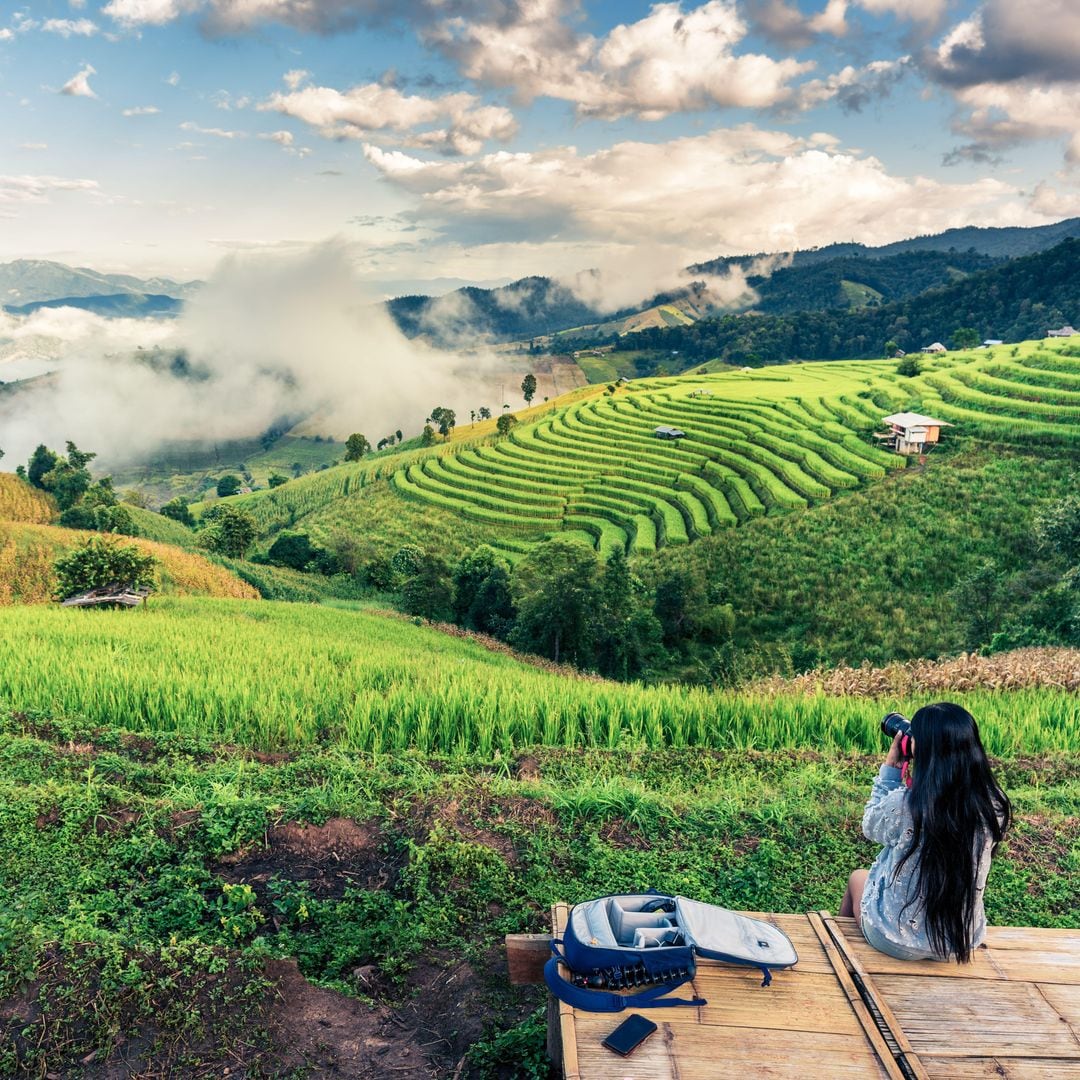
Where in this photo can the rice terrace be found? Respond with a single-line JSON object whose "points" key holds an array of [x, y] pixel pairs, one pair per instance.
{"points": [[540, 541]]}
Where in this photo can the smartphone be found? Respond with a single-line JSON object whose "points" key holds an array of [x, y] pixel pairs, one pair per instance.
{"points": [[629, 1035]]}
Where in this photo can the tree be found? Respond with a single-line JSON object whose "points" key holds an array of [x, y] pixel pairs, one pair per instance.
{"points": [[227, 530], [227, 485], [356, 446], [178, 510], [980, 600], [505, 423], [444, 419], [628, 636], [482, 599], [528, 388], [484, 412], [275, 480], [427, 591], [291, 549], [965, 337], [555, 590], [1058, 529], [909, 366], [398, 434], [99, 563], [891, 349], [427, 436]]}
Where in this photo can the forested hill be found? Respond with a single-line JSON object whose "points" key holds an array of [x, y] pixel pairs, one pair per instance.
{"points": [[852, 281], [1016, 300], [1001, 243], [522, 309]]}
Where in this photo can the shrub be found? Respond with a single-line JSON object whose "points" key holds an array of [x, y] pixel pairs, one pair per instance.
{"points": [[228, 485], [100, 562]]}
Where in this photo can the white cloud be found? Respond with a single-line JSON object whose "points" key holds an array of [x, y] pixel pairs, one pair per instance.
{"points": [[70, 27], [218, 133], [79, 83], [362, 111], [667, 62], [141, 110], [33, 146], [738, 189], [173, 78], [283, 138], [295, 77], [152, 12], [36, 189], [926, 11], [7, 34], [854, 88]]}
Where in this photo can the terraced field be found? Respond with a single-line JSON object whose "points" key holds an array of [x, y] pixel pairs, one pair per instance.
{"points": [[761, 441]]}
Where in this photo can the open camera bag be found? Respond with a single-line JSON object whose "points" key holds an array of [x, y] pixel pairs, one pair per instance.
{"points": [[652, 940]]}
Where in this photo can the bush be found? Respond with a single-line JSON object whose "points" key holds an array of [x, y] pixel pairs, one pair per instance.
{"points": [[292, 549], [100, 562], [228, 485], [228, 531], [177, 509]]}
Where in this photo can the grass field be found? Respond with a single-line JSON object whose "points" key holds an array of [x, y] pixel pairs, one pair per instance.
{"points": [[277, 675], [21, 502]]}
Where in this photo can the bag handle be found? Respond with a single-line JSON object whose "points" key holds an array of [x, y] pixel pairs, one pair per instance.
{"points": [[580, 997]]}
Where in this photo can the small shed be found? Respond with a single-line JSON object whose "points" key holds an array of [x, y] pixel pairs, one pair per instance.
{"points": [[990, 343], [669, 433], [1065, 331], [911, 433], [935, 348]]}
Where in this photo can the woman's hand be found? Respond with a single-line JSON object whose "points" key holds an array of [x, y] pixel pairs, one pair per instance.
{"points": [[895, 758]]}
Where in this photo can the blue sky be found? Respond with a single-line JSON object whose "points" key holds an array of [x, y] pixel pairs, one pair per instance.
{"points": [[487, 139]]}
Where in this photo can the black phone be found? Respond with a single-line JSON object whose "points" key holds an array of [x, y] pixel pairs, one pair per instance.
{"points": [[629, 1035]]}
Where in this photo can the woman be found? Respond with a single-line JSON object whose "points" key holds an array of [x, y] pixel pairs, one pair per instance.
{"points": [[923, 897]]}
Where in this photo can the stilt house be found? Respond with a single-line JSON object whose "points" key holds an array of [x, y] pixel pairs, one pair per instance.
{"points": [[911, 433]]}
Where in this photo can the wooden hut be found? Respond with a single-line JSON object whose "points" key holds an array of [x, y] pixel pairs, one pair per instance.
{"points": [[911, 433], [669, 433]]}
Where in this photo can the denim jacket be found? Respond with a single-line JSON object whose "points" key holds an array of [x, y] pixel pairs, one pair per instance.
{"points": [[887, 820]]}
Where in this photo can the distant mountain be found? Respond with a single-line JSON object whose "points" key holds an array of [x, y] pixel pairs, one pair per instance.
{"points": [[120, 305], [523, 309], [1013, 301], [30, 281], [998, 243]]}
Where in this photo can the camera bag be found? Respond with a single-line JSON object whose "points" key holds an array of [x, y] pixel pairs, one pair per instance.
{"points": [[649, 943]]}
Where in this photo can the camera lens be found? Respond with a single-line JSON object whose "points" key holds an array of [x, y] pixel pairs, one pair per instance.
{"points": [[895, 723]]}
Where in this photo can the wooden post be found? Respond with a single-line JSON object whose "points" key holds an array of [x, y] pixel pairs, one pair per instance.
{"points": [[526, 955]]}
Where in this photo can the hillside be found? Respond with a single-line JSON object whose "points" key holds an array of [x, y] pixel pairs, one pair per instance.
{"points": [[1013, 302], [998, 243], [27, 554], [21, 502]]}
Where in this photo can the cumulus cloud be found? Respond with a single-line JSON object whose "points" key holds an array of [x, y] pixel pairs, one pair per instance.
{"points": [[148, 12], [924, 11], [1015, 71], [669, 61], [360, 112], [79, 83], [854, 88], [70, 27], [141, 110], [271, 336], [731, 190]]}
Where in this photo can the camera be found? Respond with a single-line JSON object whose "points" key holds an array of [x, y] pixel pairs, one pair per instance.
{"points": [[897, 724]]}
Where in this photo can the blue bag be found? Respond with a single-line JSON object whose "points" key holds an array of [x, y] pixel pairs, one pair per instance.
{"points": [[647, 943]]}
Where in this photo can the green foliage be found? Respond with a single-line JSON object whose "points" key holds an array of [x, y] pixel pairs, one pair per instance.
{"points": [[505, 423], [528, 388], [909, 366], [42, 461], [356, 446], [427, 436], [227, 485], [275, 480], [227, 530], [1058, 529], [177, 509], [292, 549], [444, 419], [100, 562], [965, 337]]}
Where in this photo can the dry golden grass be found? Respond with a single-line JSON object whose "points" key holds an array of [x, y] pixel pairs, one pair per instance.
{"points": [[27, 553], [21, 502], [1018, 670]]}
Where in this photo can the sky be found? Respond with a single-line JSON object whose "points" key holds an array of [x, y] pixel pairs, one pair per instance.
{"points": [[441, 141]]}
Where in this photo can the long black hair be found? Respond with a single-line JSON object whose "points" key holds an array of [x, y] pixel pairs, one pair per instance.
{"points": [[956, 806]]}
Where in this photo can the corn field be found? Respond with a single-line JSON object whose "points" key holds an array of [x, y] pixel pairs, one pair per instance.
{"points": [[278, 676]]}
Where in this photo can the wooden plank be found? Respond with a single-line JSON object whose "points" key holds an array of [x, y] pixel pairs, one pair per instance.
{"points": [[719, 1053], [911, 1065], [1000, 1068], [979, 1018], [869, 1026]]}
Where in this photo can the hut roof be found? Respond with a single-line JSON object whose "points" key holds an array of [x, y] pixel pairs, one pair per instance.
{"points": [[911, 419]]}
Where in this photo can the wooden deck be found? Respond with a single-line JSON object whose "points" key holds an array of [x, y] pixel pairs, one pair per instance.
{"points": [[848, 1011]]}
